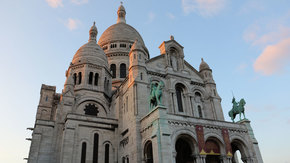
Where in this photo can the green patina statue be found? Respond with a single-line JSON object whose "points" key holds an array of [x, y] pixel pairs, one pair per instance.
{"points": [[155, 97], [238, 108]]}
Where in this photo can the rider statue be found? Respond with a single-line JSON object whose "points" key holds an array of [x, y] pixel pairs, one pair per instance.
{"points": [[238, 108], [155, 97]]}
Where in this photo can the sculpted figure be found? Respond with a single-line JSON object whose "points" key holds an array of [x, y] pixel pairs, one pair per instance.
{"points": [[238, 108], [155, 97]]}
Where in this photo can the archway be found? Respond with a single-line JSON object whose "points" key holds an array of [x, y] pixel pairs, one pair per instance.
{"points": [[148, 152], [184, 151], [213, 151], [239, 151]]}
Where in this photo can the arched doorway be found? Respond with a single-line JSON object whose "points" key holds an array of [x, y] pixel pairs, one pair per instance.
{"points": [[148, 152], [184, 151], [213, 151], [239, 151]]}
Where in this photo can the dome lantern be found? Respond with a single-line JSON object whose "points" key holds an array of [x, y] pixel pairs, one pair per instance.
{"points": [[93, 33], [121, 14]]}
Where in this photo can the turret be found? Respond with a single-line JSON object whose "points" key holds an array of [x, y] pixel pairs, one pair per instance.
{"points": [[210, 87], [137, 57]]}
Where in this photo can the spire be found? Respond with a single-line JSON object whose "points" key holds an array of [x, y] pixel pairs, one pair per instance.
{"points": [[121, 14], [93, 33]]}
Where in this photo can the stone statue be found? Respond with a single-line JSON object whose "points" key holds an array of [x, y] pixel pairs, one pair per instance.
{"points": [[155, 97], [238, 108]]}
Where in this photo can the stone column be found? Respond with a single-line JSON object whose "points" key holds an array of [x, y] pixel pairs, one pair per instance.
{"points": [[200, 158], [225, 159], [257, 155], [229, 159], [174, 153]]}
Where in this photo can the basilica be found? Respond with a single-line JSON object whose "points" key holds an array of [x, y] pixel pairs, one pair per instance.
{"points": [[118, 105]]}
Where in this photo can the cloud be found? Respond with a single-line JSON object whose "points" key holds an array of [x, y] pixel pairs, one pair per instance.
{"points": [[151, 17], [171, 16], [72, 24], [242, 67], [55, 3], [205, 8], [79, 2], [274, 58], [252, 6], [273, 37]]}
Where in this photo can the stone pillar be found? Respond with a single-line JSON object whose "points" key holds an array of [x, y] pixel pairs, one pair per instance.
{"points": [[257, 155], [200, 158], [229, 159], [161, 142], [174, 153]]}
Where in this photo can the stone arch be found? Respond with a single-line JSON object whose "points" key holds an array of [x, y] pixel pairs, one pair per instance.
{"points": [[175, 47], [238, 143], [185, 148], [79, 108], [83, 151], [214, 147], [173, 84], [188, 136], [148, 151], [156, 79], [198, 90], [108, 150]]}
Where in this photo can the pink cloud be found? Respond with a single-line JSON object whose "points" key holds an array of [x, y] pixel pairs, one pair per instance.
{"points": [[55, 3], [274, 58], [72, 24], [272, 37], [206, 8]]}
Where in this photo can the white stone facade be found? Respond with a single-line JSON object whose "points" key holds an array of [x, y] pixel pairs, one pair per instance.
{"points": [[103, 115]]}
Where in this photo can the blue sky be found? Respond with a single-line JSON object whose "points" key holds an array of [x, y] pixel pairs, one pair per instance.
{"points": [[246, 43]]}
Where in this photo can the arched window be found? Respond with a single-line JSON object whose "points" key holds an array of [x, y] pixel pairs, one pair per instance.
{"points": [[80, 77], [199, 111], [107, 153], [96, 148], [113, 70], [123, 160], [123, 70], [127, 159], [179, 95], [91, 78], [148, 152], [84, 151], [141, 76], [96, 79], [197, 97], [75, 78]]}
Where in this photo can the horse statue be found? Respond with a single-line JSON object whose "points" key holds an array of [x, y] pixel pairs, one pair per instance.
{"points": [[155, 97], [238, 108]]}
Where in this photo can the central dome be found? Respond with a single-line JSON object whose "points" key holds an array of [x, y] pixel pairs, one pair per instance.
{"points": [[120, 32]]}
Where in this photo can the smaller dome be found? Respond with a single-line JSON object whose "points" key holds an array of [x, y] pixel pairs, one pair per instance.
{"points": [[203, 65], [91, 52], [136, 46]]}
